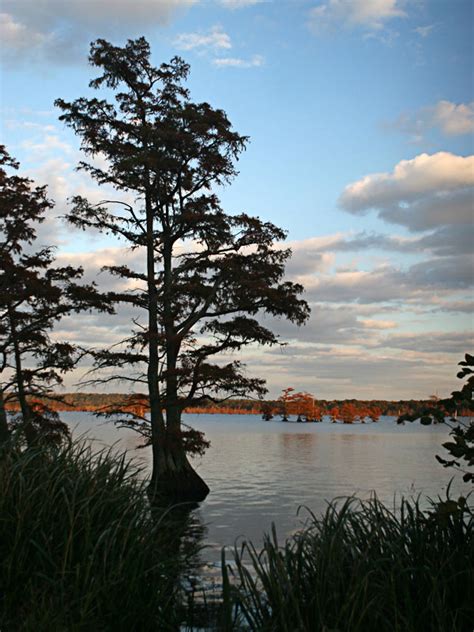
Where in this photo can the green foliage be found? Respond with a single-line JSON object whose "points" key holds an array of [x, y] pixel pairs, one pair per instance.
{"points": [[79, 547], [361, 568], [465, 394], [462, 445], [462, 449]]}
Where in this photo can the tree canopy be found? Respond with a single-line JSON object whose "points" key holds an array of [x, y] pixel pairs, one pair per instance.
{"points": [[34, 296], [206, 274]]}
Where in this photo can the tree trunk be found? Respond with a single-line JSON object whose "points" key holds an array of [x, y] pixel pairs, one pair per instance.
{"points": [[174, 479], [27, 426], [4, 430]]}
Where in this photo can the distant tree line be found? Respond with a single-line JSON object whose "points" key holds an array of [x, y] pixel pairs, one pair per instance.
{"points": [[94, 402]]}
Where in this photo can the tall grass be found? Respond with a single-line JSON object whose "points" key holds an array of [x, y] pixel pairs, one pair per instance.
{"points": [[80, 548], [360, 567]]}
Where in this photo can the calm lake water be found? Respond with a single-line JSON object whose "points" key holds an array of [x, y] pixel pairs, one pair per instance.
{"points": [[261, 472]]}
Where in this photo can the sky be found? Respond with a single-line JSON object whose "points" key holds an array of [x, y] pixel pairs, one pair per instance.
{"points": [[361, 118]]}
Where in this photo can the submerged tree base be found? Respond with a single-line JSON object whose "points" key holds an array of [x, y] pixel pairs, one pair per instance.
{"points": [[184, 485]]}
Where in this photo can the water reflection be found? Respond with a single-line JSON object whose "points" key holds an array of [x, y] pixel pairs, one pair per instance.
{"points": [[297, 446], [183, 533]]}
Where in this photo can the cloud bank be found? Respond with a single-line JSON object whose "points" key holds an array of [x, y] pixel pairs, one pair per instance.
{"points": [[57, 30], [420, 193]]}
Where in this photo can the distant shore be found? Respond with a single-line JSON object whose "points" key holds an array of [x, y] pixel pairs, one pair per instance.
{"points": [[138, 403]]}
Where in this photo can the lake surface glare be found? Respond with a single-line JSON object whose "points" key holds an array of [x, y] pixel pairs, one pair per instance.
{"points": [[262, 472]]}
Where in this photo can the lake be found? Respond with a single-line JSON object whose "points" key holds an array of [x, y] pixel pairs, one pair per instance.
{"points": [[261, 472]]}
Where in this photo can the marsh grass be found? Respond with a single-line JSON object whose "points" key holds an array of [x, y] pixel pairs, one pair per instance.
{"points": [[80, 548], [360, 567]]}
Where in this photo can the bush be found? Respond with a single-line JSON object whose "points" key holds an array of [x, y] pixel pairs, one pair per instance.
{"points": [[80, 548]]}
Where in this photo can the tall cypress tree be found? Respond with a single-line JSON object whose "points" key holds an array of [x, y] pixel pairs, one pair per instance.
{"points": [[34, 296], [205, 274]]}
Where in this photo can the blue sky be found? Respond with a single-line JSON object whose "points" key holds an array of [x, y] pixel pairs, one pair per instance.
{"points": [[360, 114]]}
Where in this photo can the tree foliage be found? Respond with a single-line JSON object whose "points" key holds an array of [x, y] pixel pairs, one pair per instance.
{"points": [[206, 274], [34, 296], [298, 403], [461, 447]]}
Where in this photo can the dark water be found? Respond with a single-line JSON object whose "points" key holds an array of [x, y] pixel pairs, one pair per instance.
{"points": [[261, 472]]}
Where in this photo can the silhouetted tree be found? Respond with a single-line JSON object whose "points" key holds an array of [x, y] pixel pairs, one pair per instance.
{"points": [[462, 445], [206, 274], [34, 295], [266, 409]]}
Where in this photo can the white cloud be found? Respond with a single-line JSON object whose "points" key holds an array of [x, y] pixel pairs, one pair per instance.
{"points": [[239, 4], [50, 143], [237, 62], [31, 126], [215, 39], [58, 30], [424, 31], [409, 180], [426, 191], [454, 119], [371, 323], [136, 12], [451, 119], [368, 14], [17, 36], [444, 276], [431, 341]]}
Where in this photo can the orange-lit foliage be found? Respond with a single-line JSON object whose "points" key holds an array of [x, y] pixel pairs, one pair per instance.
{"points": [[317, 414], [98, 402], [303, 405], [348, 413], [284, 401], [137, 404], [219, 409], [374, 413], [298, 403]]}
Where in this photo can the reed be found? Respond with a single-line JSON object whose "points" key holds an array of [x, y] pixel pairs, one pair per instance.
{"points": [[360, 567], [80, 548]]}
